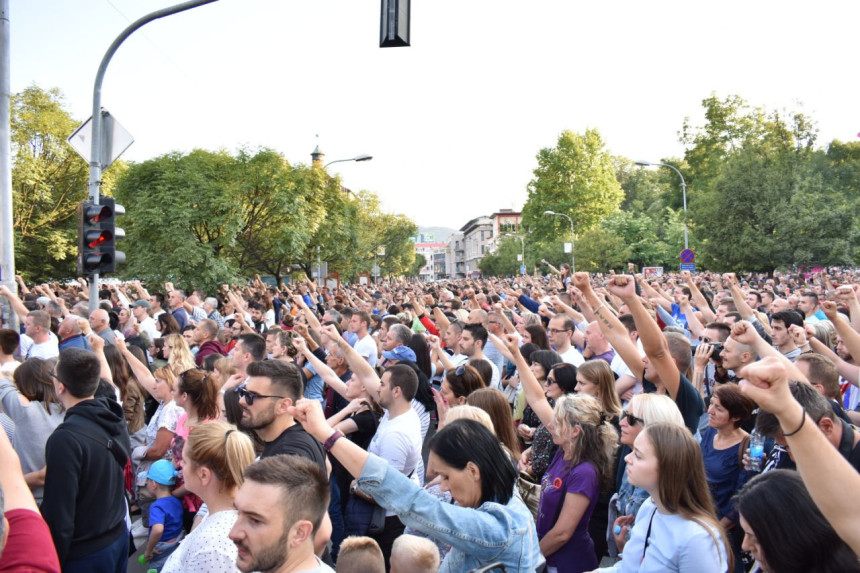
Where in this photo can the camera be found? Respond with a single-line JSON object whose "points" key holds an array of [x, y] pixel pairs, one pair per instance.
{"points": [[716, 356]]}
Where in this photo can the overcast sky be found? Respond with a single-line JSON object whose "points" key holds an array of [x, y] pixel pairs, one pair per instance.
{"points": [[455, 121]]}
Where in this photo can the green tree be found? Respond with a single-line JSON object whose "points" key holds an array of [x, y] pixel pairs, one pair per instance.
{"points": [[183, 215], [601, 250], [49, 180], [577, 178], [420, 261]]}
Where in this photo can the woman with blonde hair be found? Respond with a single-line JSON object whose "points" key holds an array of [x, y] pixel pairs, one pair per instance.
{"points": [[676, 528], [580, 469], [643, 409], [178, 354], [213, 461]]}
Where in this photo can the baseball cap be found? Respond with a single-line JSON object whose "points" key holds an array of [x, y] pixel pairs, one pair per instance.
{"points": [[162, 472], [400, 353]]}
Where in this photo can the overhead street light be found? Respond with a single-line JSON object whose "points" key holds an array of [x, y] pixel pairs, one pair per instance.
{"points": [[572, 239], [641, 163], [362, 157]]}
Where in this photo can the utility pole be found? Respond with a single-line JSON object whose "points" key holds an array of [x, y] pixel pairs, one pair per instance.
{"points": [[7, 237]]}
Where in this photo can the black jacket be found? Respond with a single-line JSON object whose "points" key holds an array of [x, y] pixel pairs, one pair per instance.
{"points": [[84, 501]]}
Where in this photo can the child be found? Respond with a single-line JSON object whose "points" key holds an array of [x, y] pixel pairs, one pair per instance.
{"points": [[165, 514]]}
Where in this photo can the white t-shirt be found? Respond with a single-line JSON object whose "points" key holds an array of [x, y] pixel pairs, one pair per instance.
{"points": [[572, 356], [398, 441], [48, 349], [147, 326], [366, 347]]}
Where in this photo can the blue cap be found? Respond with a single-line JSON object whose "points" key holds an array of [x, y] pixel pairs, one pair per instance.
{"points": [[400, 353], [162, 472]]}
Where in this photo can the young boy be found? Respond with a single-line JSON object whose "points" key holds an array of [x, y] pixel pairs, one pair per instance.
{"points": [[165, 514]]}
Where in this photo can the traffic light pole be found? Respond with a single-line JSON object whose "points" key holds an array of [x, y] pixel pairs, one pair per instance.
{"points": [[97, 153]]}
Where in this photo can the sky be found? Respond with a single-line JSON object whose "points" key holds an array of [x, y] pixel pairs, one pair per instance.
{"points": [[454, 122]]}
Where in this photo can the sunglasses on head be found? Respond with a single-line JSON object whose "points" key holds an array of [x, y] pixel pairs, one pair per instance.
{"points": [[250, 396], [631, 419]]}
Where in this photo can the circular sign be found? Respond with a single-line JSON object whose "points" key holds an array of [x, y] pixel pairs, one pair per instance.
{"points": [[688, 256]]}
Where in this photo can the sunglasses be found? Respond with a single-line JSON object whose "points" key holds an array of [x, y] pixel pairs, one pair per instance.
{"points": [[250, 396], [550, 381], [631, 419]]}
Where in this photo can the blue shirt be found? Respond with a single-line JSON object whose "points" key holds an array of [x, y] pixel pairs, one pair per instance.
{"points": [[724, 471], [477, 536], [181, 317], [168, 512]]}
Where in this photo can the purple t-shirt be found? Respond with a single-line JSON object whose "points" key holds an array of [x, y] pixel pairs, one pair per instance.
{"points": [[577, 555]]}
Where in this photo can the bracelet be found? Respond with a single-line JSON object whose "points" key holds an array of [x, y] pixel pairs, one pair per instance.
{"points": [[329, 443], [800, 427]]}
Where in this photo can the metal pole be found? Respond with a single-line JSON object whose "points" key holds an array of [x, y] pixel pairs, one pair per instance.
{"points": [[7, 236], [572, 247], [97, 135], [684, 195]]}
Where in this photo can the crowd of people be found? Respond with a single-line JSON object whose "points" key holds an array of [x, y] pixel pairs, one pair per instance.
{"points": [[564, 423]]}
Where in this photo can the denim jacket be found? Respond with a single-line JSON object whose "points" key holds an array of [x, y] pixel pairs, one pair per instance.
{"points": [[492, 532]]}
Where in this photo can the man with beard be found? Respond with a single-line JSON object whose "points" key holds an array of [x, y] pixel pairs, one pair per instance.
{"points": [[266, 396], [281, 506]]}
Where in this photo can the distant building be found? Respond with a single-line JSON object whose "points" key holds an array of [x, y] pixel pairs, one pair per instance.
{"points": [[423, 238], [430, 271], [506, 221], [477, 240], [455, 265]]}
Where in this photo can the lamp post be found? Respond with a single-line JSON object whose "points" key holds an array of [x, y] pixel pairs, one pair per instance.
{"points": [[572, 239], [683, 191], [362, 157]]}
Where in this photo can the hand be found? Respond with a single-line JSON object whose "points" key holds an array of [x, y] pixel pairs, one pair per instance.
{"points": [[331, 332], [84, 325], [300, 302], [97, 343], [4, 291], [442, 406], [525, 432], [524, 464], [310, 415], [625, 522], [627, 396], [356, 405], [622, 286], [302, 330], [798, 335], [512, 343], [687, 276], [300, 345], [234, 381], [766, 383], [703, 354], [829, 308], [745, 333], [729, 279], [746, 460]]}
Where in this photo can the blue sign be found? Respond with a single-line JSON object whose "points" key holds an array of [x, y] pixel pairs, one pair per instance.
{"points": [[688, 256], [522, 270], [688, 267]]}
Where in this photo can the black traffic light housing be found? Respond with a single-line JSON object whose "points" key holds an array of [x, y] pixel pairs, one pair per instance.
{"points": [[97, 235]]}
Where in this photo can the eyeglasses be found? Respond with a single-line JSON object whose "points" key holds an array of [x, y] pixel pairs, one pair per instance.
{"points": [[631, 419], [556, 331], [251, 396], [550, 381]]}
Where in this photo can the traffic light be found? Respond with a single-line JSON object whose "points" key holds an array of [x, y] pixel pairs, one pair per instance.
{"points": [[97, 235]]}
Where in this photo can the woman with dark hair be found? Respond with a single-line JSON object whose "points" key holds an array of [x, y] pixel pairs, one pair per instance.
{"points": [[156, 351], [166, 324], [494, 403], [785, 531], [487, 525], [130, 394], [418, 344], [484, 368], [580, 468], [33, 406], [457, 385], [676, 529], [723, 443], [535, 334]]}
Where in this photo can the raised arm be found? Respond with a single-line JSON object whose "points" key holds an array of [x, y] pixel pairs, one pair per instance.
{"points": [[14, 302], [97, 344], [614, 331], [850, 337], [327, 374], [745, 333], [359, 366], [653, 342], [310, 317], [698, 297], [535, 395], [140, 370], [819, 463]]}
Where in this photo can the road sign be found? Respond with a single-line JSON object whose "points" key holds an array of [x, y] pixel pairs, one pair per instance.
{"points": [[688, 256], [688, 267], [522, 270], [115, 141]]}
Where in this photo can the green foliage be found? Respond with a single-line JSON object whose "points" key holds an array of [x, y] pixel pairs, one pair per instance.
{"points": [[420, 261], [577, 178], [600, 249], [49, 180], [763, 197]]}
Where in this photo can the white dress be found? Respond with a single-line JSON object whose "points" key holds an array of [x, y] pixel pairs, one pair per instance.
{"points": [[208, 549]]}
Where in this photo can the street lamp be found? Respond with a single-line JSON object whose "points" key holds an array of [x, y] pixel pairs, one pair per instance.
{"points": [[362, 157], [572, 249], [523, 243], [683, 191]]}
